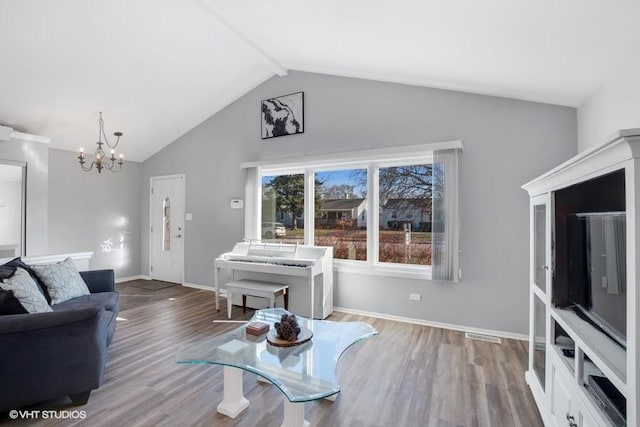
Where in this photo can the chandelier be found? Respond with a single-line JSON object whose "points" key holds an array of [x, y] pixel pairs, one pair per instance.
{"points": [[101, 160]]}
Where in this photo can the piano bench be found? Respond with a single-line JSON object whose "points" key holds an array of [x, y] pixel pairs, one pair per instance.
{"points": [[258, 289]]}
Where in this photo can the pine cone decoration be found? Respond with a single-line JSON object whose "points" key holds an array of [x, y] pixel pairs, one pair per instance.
{"points": [[287, 328]]}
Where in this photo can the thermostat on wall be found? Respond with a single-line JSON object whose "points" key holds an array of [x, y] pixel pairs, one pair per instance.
{"points": [[237, 203]]}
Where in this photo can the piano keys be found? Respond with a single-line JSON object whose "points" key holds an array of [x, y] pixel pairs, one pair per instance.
{"points": [[308, 270]]}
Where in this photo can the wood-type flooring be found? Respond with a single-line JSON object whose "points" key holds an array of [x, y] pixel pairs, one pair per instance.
{"points": [[408, 375]]}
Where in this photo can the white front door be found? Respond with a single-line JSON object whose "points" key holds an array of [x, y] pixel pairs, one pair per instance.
{"points": [[166, 251]]}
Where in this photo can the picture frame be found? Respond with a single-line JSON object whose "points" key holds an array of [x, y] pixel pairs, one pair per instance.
{"points": [[282, 115]]}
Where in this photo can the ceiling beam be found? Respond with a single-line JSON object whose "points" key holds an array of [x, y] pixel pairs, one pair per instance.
{"points": [[213, 10]]}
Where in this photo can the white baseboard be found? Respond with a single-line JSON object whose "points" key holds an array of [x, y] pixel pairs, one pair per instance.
{"points": [[453, 327], [204, 287], [186, 284], [129, 278]]}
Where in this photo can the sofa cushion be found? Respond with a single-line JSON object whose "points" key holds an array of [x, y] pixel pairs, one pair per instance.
{"points": [[109, 300], [62, 280], [26, 291], [7, 270], [9, 304]]}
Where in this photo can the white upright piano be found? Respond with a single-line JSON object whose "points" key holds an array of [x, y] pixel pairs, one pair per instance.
{"points": [[307, 270]]}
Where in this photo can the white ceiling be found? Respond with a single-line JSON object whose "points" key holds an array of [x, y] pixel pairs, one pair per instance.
{"points": [[157, 68]]}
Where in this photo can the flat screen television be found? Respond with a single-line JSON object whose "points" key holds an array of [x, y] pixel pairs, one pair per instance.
{"points": [[597, 270]]}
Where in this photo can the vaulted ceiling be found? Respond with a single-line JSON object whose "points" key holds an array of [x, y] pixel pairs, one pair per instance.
{"points": [[157, 68]]}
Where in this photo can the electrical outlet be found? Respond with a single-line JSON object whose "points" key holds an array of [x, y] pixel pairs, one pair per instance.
{"points": [[414, 297]]}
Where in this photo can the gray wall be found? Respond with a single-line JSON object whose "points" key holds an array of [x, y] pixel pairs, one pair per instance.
{"points": [[87, 209], [507, 142], [36, 155]]}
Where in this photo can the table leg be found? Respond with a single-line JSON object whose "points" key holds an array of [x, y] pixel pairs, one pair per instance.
{"points": [[294, 414], [234, 401], [229, 303]]}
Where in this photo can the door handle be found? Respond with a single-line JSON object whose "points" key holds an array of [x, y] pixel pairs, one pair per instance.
{"points": [[178, 236]]}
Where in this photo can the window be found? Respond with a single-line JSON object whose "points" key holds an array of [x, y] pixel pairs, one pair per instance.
{"points": [[394, 213], [283, 208], [403, 190], [166, 225], [340, 219]]}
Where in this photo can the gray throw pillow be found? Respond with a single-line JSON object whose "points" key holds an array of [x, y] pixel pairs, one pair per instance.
{"points": [[26, 291], [62, 280]]}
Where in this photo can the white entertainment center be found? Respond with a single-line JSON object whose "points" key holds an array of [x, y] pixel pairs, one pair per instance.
{"points": [[578, 374]]}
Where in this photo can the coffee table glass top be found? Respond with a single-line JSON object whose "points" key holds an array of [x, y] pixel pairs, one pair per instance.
{"points": [[303, 373]]}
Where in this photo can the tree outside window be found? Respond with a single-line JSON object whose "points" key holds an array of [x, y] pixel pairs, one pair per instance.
{"points": [[405, 214], [283, 208]]}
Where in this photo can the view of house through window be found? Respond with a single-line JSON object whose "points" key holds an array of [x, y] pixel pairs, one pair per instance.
{"points": [[283, 208], [341, 213], [405, 214]]}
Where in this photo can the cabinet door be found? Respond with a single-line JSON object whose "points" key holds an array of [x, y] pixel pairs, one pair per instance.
{"points": [[540, 242], [567, 410], [583, 417], [538, 341], [540, 246], [560, 398]]}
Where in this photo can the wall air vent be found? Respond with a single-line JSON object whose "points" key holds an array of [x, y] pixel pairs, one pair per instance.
{"points": [[481, 337]]}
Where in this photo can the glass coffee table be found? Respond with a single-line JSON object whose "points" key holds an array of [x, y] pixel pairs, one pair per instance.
{"points": [[302, 373]]}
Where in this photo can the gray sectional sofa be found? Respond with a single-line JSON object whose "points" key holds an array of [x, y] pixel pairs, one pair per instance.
{"points": [[45, 356]]}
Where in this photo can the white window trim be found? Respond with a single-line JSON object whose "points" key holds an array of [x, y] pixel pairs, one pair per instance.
{"points": [[373, 161], [334, 160]]}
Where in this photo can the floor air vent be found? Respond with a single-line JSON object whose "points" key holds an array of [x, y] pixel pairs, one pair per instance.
{"points": [[480, 337]]}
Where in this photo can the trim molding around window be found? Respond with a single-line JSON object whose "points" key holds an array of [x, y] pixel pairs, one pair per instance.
{"points": [[400, 153], [364, 205]]}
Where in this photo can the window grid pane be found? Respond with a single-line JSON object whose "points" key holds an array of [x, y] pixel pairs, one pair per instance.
{"points": [[405, 214], [341, 213], [283, 208]]}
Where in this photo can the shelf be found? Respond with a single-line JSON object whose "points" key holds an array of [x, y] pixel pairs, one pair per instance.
{"points": [[569, 362], [607, 355], [560, 340]]}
